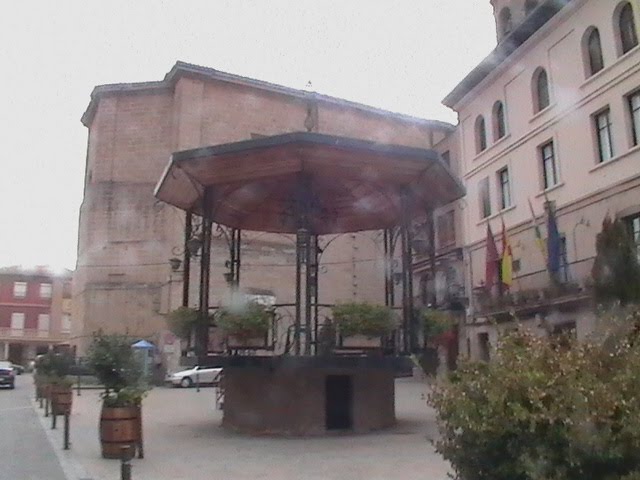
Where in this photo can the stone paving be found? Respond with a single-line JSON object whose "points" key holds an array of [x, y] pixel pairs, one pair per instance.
{"points": [[184, 440]]}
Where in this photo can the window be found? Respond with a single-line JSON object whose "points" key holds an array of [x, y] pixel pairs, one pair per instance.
{"points": [[634, 111], [485, 198], [634, 229], [45, 290], [602, 123], [446, 229], [504, 188], [66, 323], [549, 168], [499, 127], [43, 322], [19, 289], [505, 22], [626, 27], [541, 98], [593, 52], [17, 323], [481, 134], [529, 6], [446, 158]]}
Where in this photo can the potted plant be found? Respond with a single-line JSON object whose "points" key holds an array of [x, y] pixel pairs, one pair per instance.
{"points": [[362, 325], [52, 381], [437, 325], [182, 322], [113, 362], [246, 325]]}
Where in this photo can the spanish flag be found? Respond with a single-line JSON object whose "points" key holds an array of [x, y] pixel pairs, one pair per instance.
{"points": [[506, 263]]}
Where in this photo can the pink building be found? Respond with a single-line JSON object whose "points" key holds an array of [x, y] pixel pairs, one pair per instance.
{"points": [[550, 117]]}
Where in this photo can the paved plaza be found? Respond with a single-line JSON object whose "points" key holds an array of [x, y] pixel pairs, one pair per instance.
{"points": [[184, 440]]}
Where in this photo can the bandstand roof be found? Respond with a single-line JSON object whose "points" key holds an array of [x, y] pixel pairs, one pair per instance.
{"points": [[340, 184]]}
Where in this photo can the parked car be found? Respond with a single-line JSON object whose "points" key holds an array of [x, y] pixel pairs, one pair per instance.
{"points": [[7, 375], [19, 369], [188, 378]]}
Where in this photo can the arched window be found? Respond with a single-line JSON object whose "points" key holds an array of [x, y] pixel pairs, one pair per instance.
{"points": [[626, 27], [529, 6], [541, 97], [499, 126], [481, 134], [593, 51], [505, 21]]}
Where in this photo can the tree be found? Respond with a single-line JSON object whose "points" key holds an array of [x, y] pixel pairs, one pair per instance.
{"points": [[616, 271]]}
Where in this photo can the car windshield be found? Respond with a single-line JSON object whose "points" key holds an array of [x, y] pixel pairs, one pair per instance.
{"points": [[5, 365]]}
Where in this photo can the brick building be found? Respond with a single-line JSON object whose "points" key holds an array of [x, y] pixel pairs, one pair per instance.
{"points": [[35, 312], [124, 281]]}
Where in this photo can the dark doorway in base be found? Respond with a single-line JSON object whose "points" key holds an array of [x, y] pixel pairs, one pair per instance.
{"points": [[339, 402]]}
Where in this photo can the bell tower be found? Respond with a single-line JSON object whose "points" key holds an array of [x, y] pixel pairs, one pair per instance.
{"points": [[508, 14]]}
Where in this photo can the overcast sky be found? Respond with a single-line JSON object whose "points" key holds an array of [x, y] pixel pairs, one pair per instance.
{"points": [[401, 55]]}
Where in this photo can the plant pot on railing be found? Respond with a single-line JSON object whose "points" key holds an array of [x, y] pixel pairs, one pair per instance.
{"points": [[245, 326], [438, 327], [362, 325]]}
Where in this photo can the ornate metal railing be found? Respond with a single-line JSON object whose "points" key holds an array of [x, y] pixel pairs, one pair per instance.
{"points": [[536, 290]]}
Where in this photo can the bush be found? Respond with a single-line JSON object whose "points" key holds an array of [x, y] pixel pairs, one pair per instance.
{"points": [[363, 319], [436, 322], [546, 410], [112, 359], [53, 368], [248, 320]]}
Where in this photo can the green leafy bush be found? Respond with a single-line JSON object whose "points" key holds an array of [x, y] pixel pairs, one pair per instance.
{"points": [[546, 410], [114, 364], [436, 322], [363, 319], [53, 368], [182, 321], [248, 320]]}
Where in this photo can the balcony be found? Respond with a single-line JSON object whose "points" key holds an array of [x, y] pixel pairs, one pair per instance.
{"points": [[535, 293], [32, 335]]}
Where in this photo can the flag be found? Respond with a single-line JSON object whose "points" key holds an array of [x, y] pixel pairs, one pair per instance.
{"points": [[536, 230], [491, 267], [554, 244], [506, 262]]}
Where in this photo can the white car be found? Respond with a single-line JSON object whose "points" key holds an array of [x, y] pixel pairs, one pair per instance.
{"points": [[197, 374]]}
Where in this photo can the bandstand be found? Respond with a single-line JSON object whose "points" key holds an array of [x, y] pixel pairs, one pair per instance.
{"points": [[309, 185]]}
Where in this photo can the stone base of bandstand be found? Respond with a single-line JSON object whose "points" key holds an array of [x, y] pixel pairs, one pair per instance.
{"points": [[289, 395]]}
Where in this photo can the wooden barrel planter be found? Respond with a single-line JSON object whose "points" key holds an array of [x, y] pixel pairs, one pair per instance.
{"points": [[61, 399], [119, 431]]}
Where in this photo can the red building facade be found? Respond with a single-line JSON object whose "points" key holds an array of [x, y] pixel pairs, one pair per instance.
{"points": [[35, 312]]}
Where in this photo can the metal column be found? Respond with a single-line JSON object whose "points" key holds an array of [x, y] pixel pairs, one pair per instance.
{"points": [[202, 337], [186, 260]]}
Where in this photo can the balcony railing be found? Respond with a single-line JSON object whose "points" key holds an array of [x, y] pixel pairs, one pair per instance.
{"points": [[30, 334], [535, 291]]}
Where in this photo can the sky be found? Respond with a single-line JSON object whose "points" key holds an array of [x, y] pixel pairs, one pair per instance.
{"points": [[400, 55]]}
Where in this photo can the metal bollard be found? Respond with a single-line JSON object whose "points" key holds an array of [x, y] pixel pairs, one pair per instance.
{"points": [[46, 407], [41, 402], [53, 420], [66, 431], [78, 385], [197, 382], [125, 464]]}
